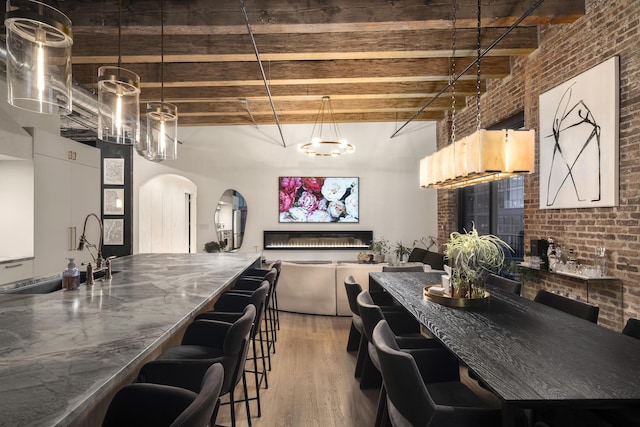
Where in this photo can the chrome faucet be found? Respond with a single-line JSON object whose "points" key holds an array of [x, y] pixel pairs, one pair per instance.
{"points": [[107, 268], [97, 258]]}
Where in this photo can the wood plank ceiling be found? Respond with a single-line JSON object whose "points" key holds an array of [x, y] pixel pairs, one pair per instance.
{"points": [[377, 60]]}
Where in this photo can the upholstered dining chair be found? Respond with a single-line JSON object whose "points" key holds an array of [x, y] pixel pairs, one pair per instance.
{"points": [[414, 399], [204, 343], [568, 305], [229, 308], [504, 283], [355, 331], [403, 323], [627, 417], [632, 328], [159, 405], [357, 340], [406, 332]]}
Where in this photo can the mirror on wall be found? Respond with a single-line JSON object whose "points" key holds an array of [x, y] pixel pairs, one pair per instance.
{"points": [[230, 220]]}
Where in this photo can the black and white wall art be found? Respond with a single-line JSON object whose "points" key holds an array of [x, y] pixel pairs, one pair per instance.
{"points": [[579, 140]]}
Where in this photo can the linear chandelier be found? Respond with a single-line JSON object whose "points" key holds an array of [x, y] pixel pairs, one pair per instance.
{"points": [[333, 146], [483, 156]]}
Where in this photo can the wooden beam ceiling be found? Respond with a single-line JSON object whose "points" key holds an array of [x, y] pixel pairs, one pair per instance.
{"points": [[378, 61]]}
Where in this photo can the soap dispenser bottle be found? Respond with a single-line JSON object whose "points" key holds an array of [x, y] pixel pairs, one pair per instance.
{"points": [[70, 276]]}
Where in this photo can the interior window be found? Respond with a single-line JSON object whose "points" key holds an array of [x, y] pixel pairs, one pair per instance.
{"points": [[496, 207]]}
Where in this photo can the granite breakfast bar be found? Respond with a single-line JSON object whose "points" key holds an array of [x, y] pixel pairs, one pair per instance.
{"points": [[65, 353]]}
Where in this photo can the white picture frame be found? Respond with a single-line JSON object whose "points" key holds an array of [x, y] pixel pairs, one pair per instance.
{"points": [[113, 232], [113, 171], [113, 201], [579, 126]]}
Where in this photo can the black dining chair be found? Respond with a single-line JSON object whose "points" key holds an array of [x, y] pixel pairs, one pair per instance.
{"points": [[415, 394], [357, 340], [353, 288], [625, 417], [204, 343], [435, 260], [632, 328], [551, 416], [568, 305], [504, 283], [156, 405], [406, 332], [401, 322], [229, 308]]}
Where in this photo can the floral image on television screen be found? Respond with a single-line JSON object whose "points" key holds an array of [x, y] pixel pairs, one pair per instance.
{"points": [[316, 199]]}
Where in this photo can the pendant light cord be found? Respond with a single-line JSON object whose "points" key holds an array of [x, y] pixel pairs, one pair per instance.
{"points": [[453, 79], [119, 33], [162, 51], [479, 11], [468, 67]]}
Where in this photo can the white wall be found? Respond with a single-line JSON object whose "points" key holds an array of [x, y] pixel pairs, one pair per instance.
{"points": [[250, 160]]}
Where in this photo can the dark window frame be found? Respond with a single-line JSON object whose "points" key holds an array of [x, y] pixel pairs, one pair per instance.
{"points": [[514, 122]]}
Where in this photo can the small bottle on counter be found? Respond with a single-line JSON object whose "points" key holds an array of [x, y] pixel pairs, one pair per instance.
{"points": [[571, 263], [70, 276]]}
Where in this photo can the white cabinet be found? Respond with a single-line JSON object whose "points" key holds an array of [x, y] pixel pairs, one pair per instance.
{"points": [[67, 189], [16, 193], [15, 142], [16, 270], [16, 215]]}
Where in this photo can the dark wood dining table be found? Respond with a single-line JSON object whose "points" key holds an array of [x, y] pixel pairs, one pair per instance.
{"points": [[529, 355]]}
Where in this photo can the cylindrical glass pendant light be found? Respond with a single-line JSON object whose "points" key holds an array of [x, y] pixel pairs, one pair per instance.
{"points": [[162, 131], [118, 105], [162, 117], [39, 41], [118, 100]]}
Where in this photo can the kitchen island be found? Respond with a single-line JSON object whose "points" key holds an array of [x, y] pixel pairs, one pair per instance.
{"points": [[64, 354]]}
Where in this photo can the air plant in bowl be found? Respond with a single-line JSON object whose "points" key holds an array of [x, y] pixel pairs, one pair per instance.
{"points": [[473, 257]]}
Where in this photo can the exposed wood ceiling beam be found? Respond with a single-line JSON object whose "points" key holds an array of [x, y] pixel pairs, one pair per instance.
{"points": [[377, 60]]}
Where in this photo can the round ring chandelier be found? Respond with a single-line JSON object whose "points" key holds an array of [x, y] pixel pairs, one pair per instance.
{"points": [[333, 146]]}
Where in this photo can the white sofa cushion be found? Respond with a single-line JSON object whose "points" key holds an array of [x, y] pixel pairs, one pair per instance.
{"points": [[307, 288]]}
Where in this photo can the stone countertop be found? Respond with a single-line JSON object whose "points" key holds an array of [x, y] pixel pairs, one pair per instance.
{"points": [[61, 352]]}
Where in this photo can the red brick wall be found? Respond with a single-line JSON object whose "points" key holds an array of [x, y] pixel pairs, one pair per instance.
{"points": [[608, 28]]}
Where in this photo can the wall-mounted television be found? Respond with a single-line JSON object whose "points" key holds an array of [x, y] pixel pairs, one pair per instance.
{"points": [[318, 199]]}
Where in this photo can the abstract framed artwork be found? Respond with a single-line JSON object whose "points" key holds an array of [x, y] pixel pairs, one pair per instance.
{"points": [[579, 158], [318, 199], [113, 232], [113, 201], [113, 171]]}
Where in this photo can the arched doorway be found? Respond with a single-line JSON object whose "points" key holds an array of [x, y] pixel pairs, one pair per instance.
{"points": [[167, 215]]}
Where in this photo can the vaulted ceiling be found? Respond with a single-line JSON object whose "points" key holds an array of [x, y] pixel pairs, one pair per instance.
{"points": [[377, 60]]}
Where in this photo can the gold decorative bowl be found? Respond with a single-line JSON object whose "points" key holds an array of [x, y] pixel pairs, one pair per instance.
{"points": [[450, 301]]}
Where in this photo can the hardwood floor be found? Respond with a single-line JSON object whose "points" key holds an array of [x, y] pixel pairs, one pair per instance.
{"points": [[311, 382]]}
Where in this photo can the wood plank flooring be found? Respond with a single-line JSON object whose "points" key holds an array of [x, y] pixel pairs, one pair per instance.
{"points": [[311, 382]]}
